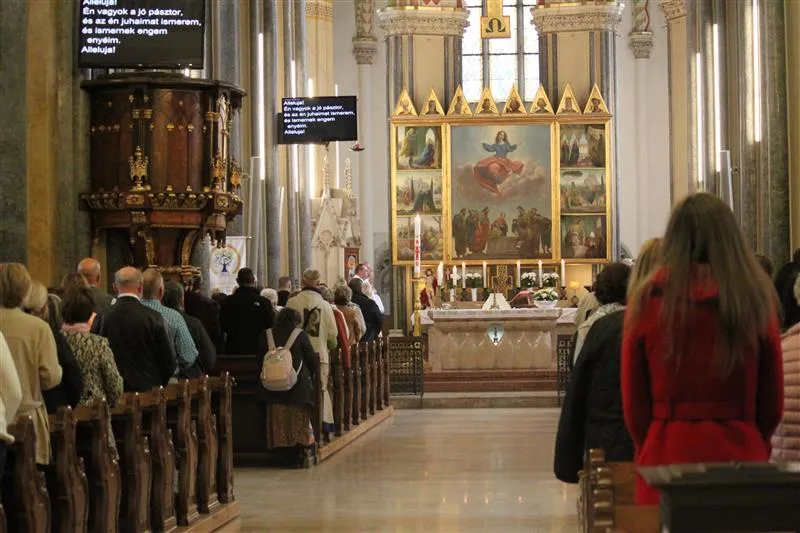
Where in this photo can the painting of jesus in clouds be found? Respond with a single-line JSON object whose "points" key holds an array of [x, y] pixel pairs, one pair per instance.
{"points": [[501, 192]]}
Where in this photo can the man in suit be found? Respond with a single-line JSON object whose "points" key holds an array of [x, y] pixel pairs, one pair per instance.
{"points": [[284, 290], [206, 352], [245, 316], [203, 308], [372, 315], [90, 268], [138, 336], [364, 273]]}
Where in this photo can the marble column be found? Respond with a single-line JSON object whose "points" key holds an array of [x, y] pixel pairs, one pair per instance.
{"points": [[292, 191], [793, 115], [679, 67], [437, 31], [580, 49], [271, 242], [254, 208], [319, 60], [304, 194], [13, 132]]}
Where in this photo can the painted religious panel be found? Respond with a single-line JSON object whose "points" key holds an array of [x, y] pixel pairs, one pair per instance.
{"points": [[583, 191], [431, 238], [584, 237], [419, 147], [582, 146], [418, 192], [501, 193]]}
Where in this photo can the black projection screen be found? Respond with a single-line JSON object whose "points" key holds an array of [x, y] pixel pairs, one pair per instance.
{"points": [[318, 120], [140, 33]]}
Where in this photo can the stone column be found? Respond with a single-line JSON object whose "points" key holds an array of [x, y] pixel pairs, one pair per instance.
{"points": [[433, 34], [257, 148], [304, 199], [580, 49], [793, 115], [271, 241], [292, 211], [319, 30], [679, 67], [13, 131]]}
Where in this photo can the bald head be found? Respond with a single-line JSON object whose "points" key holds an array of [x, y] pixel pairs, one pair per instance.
{"points": [[90, 268], [153, 284], [128, 280]]}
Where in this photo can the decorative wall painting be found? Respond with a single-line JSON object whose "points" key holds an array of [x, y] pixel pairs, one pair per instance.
{"points": [[419, 147], [432, 238], [583, 191], [501, 192], [419, 193], [584, 237]]}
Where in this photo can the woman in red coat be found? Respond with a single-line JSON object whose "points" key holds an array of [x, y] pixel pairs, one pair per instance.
{"points": [[702, 378]]}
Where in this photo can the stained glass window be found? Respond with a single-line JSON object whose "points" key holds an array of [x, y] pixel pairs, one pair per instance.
{"points": [[501, 63]]}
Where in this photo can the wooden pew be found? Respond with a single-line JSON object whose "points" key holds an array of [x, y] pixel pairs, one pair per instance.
{"points": [[184, 432], [587, 483], [336, 386], [373, 376], [92, 444], [3, 527], [222, 402], [612, 493], [66, 478], [366, 384], [206, 445], [162, 452], [386, 382], [355, 362], [347, 376], [24, 490], [135, 465], [379, 370]]}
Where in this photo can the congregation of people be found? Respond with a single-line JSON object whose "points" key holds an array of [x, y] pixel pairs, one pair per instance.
{"points": [[74, 343], [680, 359]]}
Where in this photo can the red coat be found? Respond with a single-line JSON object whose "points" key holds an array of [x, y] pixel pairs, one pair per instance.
{"points": [[690, 413]]}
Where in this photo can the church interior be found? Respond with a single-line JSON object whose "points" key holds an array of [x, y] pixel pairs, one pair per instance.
{"points": [[467, 213]]}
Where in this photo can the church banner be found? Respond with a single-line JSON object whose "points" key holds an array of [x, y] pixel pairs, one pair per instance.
{"points": [[225, 264]]}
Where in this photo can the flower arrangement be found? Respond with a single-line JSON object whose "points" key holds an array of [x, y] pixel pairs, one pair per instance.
{"points": [[545, 295], [550, 279], [474, 280], [528, 280]]}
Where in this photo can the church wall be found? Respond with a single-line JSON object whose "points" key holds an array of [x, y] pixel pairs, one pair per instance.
{"points": [[643, 137]]}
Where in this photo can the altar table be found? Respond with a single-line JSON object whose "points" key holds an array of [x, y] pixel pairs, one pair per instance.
{"points": [[459, 339]]}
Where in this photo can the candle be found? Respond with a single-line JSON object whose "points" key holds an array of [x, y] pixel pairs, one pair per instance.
{"points": [[563, 272], [540, 273], [485, 284], [463, 275], [455, 276], [417, 245], [440, 274], [519, 274]]}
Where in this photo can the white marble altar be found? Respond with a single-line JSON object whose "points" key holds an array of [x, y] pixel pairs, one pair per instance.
{"points": [[459, 339]]}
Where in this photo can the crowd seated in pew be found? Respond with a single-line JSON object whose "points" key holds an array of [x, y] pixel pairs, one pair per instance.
{"points": [[184, 427]]}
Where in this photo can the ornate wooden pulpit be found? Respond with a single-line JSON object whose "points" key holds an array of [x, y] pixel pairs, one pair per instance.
{"points": [[162, 175]]}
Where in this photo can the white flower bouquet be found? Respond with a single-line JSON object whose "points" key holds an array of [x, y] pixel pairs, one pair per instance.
{"points": [[550, 279], [546, 295], [528, 279], [474, 280]]}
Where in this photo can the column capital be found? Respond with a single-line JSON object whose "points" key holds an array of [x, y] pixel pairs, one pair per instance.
{"points": [[319, 9], [555, 18], [423, 20], [641, 43], [673, 9], [364, 49]]}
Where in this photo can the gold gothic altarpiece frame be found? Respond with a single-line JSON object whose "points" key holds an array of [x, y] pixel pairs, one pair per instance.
{"points": [[502, 185]]}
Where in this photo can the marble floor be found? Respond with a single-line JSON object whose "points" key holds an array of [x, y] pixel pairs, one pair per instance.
{"points": [[453, 471]]}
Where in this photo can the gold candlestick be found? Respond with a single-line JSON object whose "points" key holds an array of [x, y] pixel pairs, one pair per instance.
{"points": [[419, 285]]}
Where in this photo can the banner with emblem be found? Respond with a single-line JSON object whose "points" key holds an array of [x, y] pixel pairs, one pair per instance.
{"points": [[225, 264]]}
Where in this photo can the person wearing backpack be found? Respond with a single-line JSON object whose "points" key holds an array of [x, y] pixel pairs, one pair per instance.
{"points": [[289, 411]]}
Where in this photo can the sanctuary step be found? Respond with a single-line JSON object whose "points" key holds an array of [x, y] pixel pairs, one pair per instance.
{"points": [[477, 400], [491, 381]]}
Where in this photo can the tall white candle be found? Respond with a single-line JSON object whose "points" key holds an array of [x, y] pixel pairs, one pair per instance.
{"points": [[485, 281], [463, 275], [417, 245], [440, 274], [563, 273], [519, 274], [455, 276], [541, 281]]}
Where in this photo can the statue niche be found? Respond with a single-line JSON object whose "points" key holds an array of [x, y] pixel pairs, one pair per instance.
{"points": [[162, 175]]}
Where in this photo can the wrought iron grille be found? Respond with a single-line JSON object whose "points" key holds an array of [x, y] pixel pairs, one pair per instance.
{"points": [[406, 360]]}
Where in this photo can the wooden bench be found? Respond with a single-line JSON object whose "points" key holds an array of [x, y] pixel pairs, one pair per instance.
{"points": [[222, 402], [66, 479], [24, 490], [206, 445], [184, 433], [162, 453], [135, 464]]}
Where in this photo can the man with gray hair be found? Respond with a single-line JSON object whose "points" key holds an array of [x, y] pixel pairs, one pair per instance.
{"points": [[152, 293], [138, 336], [320, 325], [90, 268]]}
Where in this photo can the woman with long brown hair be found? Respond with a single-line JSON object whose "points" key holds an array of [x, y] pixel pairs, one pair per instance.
{"points": [[702, 379]]}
